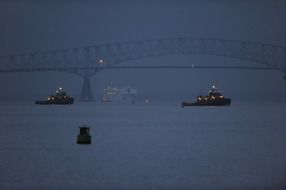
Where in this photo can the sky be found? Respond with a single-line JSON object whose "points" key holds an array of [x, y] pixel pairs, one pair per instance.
{"points": [[39, 25]]}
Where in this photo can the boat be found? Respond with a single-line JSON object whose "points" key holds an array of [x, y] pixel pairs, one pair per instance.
{"points": [[116, 94], [60, 98], [214, 98]]}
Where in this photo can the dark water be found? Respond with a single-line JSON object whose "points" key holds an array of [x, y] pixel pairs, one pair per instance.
{"points": [[143, 146]]}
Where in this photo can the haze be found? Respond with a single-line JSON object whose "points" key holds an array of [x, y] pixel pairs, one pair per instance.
{"points": [[31, 26]]}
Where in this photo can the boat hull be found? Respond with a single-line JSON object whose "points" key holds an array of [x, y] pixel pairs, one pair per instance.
{"points": [[223, 102], [57, 102]]}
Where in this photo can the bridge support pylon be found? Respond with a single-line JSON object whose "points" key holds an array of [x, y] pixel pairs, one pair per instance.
{"points": [[86, 90]]}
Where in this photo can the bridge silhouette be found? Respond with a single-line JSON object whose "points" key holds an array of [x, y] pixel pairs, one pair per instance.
{"points": [[89, 60]]}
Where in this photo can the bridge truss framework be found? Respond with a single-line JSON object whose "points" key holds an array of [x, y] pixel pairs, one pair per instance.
{"points": [[87, 61]]}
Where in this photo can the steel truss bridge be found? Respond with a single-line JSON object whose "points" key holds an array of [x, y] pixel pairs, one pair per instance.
{"points": [[89, 60]]}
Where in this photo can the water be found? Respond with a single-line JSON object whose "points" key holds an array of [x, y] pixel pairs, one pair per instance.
{"points": [[143, 146]]}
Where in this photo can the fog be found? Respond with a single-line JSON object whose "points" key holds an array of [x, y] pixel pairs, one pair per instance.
{"points": [[158, 145], [31, 26]]}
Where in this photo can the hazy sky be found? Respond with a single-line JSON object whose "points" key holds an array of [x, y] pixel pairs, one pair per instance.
{"points": [[50, 24], [33, 25]]}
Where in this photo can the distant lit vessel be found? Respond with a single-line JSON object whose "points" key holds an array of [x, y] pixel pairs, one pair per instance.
{"points": [[115, 94], [59, 98], [214, 98]]}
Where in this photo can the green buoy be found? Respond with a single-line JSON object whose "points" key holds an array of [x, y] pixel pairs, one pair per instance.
{"points": [[84, 136]]}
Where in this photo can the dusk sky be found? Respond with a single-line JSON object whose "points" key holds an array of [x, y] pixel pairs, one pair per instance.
{"points": [[167, 131], [31, 26]]}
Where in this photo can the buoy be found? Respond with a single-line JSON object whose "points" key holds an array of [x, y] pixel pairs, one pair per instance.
{"points": [[84, 136]]}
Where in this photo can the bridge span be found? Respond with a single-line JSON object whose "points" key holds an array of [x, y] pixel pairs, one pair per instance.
{"points": [[89, 60]]}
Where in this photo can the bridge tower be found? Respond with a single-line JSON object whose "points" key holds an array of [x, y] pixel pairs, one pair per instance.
{"points": [[87, 61], [86, 89]]}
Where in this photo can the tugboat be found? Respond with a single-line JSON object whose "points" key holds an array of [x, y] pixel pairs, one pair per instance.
{"points": [[214, 98], [60, 98]]}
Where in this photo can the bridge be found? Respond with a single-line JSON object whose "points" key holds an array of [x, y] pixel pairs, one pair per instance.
{"points": [[89, 60]]}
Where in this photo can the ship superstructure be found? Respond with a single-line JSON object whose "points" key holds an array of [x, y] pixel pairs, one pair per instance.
{"points": [[115, 94], [214, 98], [61, 97]]}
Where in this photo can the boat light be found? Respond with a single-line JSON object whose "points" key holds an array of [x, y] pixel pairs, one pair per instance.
{"points": [[100, 61]]}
